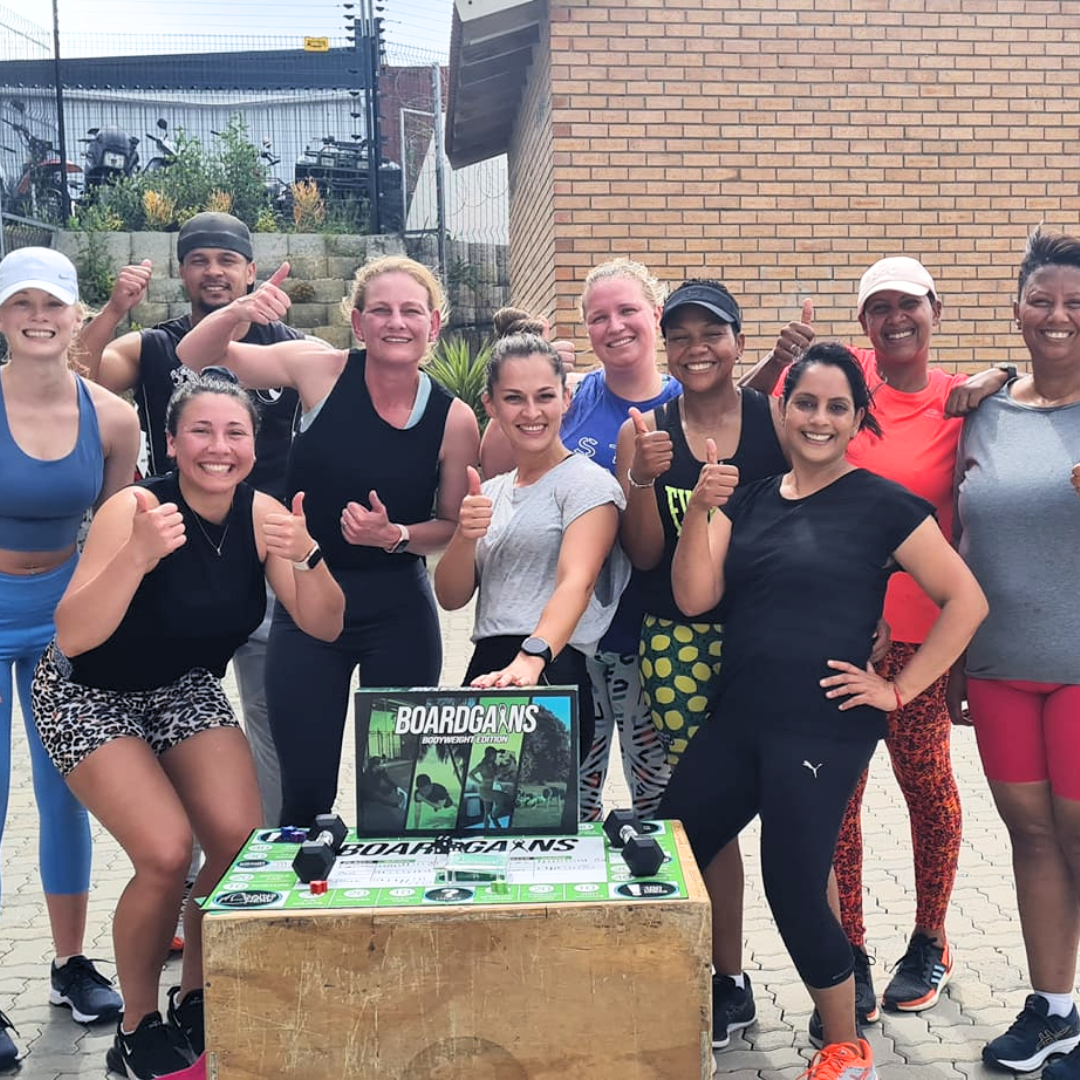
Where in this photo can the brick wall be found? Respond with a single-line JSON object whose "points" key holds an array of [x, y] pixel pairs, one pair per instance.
{"points": [[783, 145], [534, 236]]}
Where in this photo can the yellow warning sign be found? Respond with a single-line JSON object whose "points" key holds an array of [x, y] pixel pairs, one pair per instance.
{"points": [[316, 44]]}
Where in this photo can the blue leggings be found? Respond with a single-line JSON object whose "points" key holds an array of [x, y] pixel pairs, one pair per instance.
{"points": [[27, 605]]}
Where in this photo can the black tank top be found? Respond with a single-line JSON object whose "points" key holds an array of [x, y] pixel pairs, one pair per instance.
{"points": [[350, 450], [160, 373], [758, 455], [193, 610]]}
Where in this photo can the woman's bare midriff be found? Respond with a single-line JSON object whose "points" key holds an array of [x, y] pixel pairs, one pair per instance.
{"points": [[25, 563]]}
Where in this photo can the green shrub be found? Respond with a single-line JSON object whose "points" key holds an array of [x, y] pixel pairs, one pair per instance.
{"points": [[462, 371]]}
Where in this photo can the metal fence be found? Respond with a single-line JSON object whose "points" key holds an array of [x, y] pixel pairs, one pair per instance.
{"points": [[304, 111]]}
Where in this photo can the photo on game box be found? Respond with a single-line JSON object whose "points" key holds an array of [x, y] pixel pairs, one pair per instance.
{"points": [[466, 761]]}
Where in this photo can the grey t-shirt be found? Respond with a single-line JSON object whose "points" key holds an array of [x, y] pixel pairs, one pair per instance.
{"points": [[517, 560], [1019, 517]]}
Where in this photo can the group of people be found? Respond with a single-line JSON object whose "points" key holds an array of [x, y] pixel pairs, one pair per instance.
{"points": [[650, 538]]}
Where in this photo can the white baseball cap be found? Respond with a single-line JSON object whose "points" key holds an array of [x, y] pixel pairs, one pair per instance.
{"points": [[39, 268], [899, 273]]}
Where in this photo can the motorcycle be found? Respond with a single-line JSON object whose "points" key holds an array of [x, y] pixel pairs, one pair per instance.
{"points": [[166, 148], [110, 154], [279, 194], [39, 191]]}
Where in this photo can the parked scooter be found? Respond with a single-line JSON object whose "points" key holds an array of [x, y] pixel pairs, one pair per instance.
{"points": [[110, 154], [166, 148], [39, 191]]}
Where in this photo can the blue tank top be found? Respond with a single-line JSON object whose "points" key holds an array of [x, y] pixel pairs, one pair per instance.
{"points": [[42, 502]]}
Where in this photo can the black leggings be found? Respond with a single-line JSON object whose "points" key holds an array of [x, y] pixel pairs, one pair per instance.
{"points": [[567, 669], [799, 785], [391, 631]]}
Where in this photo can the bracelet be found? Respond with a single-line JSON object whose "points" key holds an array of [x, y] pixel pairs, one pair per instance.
{"points": [[896, 693], [635, 484]]}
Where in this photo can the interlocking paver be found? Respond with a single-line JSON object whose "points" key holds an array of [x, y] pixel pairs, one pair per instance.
{"points": [[944, 1043]]}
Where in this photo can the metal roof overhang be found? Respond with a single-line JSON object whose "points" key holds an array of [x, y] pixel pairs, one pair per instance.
{"points": [[491, 46]]}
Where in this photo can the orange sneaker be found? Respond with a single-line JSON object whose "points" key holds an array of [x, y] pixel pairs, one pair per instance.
{"points": [[842, 1061]]}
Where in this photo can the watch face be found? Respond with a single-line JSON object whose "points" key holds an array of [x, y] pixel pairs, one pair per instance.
{"points": [[536, 646]]}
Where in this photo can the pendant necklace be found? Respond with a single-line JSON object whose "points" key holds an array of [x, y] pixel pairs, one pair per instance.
{"points": [[206, 536]]}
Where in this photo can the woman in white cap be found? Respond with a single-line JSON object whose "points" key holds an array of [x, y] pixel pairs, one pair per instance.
{"points": [[65, 445], [898, 310]]}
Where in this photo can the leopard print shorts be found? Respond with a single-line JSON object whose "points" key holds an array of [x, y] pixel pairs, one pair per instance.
{"points": [[74, 720]]}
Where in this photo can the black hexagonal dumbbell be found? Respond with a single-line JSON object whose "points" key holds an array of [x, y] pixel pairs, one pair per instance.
{"points": [[317, 854], [641, 853]]}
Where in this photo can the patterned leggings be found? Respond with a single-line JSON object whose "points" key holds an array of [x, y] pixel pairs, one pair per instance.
{"points": [[617, 700], [679, 664], [918, 743]]}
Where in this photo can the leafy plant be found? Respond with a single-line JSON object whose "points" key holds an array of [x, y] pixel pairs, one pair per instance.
{"points": [[221, 202], [462, 371], [309, 207], [97, 275]]}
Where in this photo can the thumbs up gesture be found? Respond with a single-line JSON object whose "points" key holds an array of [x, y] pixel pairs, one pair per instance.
{"points": [[157, 529], [370, 528], [474, 517], [286, 533], [269, 302], [796, 337], [131, 285], [716, 481], [653, 451]]}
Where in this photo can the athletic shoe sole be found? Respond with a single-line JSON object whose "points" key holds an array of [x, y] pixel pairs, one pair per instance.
{"points": [[1062, 1046], [737, 1025], [927, 1001], [114, 1061], [56, 998], [871, 1017]]}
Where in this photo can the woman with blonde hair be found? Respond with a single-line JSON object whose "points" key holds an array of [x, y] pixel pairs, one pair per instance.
{"points": [[380, 445], [65, 445]]}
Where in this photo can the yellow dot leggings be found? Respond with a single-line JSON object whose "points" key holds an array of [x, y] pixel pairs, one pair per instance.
{"points": [[679, 665]]}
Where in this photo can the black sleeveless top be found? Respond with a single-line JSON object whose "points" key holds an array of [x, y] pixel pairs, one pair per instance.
{"points": [[193, 610], [160, 373], [350, 450], [758, 455]]}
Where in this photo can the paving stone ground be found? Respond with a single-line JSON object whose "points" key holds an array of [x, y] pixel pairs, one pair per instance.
{"points": [[986, 992]]}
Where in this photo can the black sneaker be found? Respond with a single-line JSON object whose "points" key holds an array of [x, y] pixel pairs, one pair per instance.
{"points": [[732, 1008], [187, 1017], [816, 1029], [1066, 1068], [921, 974], [154, 1049], [9, 1053], [1033, 1037], [85, 991], [866, 1004]]}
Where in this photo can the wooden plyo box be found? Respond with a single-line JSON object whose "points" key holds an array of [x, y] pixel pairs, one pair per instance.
{"points": [[605, 990]]}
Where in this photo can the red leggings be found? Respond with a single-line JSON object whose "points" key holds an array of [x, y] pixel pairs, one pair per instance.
{"points": [[918, 744], [1028, 732]]}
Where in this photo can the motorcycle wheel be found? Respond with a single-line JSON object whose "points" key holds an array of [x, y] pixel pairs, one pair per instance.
{"points": [[51, 205]]}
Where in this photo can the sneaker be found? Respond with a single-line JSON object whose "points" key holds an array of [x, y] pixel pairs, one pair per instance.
{"points": [[1066, 1068], [154, 1049], [842, 1061], [921, 974], [1033, 1037], [177, 945], [187, 1017], [9, 1053], [866, 1004], [85, 991], [816, 1029], [732, 1008]]}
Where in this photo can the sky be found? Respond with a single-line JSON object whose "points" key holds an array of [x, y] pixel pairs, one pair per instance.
{"points": [[103, 26]]}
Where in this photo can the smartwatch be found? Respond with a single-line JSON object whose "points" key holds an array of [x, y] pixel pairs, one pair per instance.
{"points": [[310, 560], [1010, 371], [537, 646], [401, 544]]}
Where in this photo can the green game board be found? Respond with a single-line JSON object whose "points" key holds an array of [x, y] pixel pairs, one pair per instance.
{"points": [[405, 873]]}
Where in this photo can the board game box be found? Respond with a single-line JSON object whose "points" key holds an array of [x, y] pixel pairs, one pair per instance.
{"points": [[466, 761], [420, 872]]}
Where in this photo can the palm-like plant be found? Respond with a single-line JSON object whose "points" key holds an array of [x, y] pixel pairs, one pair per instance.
{"points": [[462, 371]]}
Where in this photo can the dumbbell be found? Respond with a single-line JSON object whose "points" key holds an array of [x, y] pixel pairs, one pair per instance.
{"points": [[317, 854], [643, 855]]}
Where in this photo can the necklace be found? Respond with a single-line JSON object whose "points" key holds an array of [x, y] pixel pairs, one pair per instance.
{"points": [[206, 536]]}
